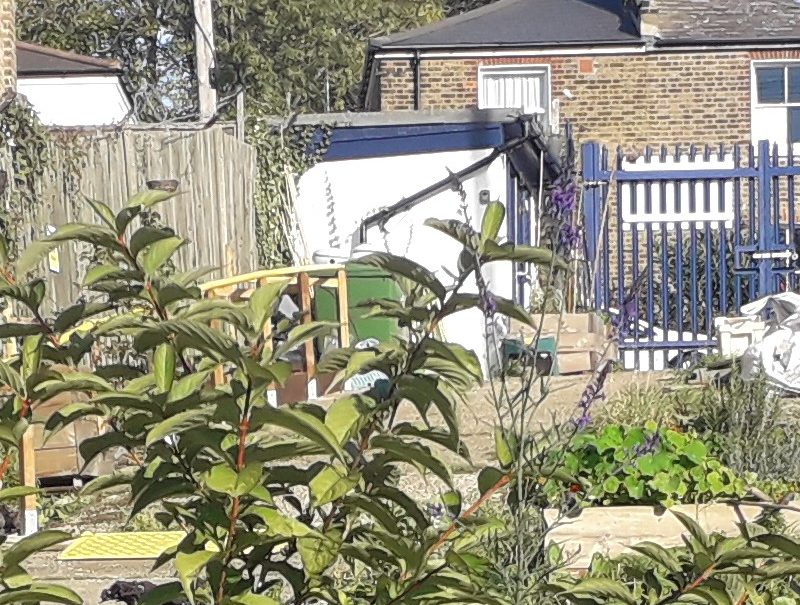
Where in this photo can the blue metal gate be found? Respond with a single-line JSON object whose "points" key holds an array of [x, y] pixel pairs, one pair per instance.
{"points": [[675, 239]]}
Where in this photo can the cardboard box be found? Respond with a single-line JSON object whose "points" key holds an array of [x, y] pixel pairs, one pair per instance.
{"points": [[577, 362], [570, 323], [574, 331], [576, 342], [583, 339], [566, 324]]}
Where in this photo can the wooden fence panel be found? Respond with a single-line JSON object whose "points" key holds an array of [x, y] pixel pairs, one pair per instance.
{"points": [[214, 209]]}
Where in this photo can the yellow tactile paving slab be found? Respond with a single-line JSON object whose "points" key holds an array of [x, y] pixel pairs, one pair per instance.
{"points": [[122, 545]]}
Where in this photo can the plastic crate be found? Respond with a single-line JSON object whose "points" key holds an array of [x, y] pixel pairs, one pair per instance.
{"points": [[737, 334]]}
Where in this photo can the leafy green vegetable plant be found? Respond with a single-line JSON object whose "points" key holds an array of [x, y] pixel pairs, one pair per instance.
{"points": [[272, 500], [644, 465]]}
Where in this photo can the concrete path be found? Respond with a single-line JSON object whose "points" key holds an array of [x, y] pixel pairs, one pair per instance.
{"points": [[90, 578]]}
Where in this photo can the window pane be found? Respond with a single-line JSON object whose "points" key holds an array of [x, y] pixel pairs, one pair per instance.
{"points": [[515, 90], [794, 84], [770, 82], [794, 125]]}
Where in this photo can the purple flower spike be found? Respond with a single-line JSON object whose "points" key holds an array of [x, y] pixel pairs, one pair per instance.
{"points": [[583, 422], [489, 303], [570, 237], [594, 390], [563, 199]]}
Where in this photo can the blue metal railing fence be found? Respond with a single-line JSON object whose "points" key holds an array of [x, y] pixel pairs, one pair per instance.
{"points": [[677, 238]]}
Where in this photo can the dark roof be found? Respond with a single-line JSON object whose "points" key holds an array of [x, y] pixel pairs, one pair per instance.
{"points": [[524, 23], [36, 60], [724, 20]]}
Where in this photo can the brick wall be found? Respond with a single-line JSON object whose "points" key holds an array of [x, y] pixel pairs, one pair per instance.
{"points": [[8, 54], [397, 85], [634, 100]]}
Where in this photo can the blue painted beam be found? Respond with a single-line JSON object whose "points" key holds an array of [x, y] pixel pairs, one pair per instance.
{"points": [[350, 143]]}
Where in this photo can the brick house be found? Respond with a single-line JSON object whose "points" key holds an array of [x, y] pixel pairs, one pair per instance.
{"points": [[635, 73], [672, 72]]}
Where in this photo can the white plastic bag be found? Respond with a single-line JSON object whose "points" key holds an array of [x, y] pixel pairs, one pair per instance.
{"points": [[778, 354]]}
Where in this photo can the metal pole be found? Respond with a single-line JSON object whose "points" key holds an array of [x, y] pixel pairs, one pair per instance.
{"points": [[204, 58], [240, 117], [764, 205], [417, 80], [327, 91]]}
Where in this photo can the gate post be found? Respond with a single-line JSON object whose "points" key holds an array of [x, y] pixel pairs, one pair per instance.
{"points": [[765, 230], [592, 215]]}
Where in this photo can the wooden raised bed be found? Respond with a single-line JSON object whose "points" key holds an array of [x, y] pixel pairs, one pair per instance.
{"points": [[611, 530]]}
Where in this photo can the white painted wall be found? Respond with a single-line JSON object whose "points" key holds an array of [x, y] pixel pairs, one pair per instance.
{"points": [[334, 197], [76, 101], [770, 123]]}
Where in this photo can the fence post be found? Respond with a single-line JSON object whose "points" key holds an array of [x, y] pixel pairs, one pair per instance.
{"points": [[592, 214], [27, 475], [765, 243]]}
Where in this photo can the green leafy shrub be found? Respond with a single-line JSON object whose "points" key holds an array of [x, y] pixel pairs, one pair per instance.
{"points": [[750, 428], [624, 465], [755, 567], [274, 501], [16, 586], [18, 380]]}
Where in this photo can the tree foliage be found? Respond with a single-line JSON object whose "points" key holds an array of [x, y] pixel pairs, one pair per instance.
{"points": [[153, 39], [310, 52]]}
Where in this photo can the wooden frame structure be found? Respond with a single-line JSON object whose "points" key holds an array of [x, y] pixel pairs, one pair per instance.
{"points": [[302, 281]]}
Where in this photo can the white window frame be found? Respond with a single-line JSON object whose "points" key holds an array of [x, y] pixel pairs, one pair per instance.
{"points": [[773, 63], [755, 104], [518, 70]]}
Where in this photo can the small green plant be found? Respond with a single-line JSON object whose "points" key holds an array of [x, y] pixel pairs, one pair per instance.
{"points": [[638, 404], [146, 520], [750, 427], [59, 507], [644, 465], [779, 490], [755, 567]]}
